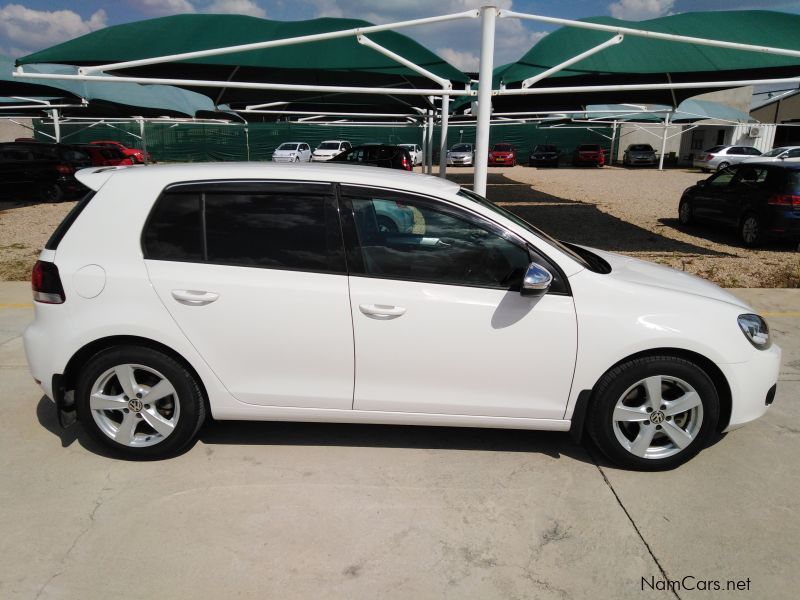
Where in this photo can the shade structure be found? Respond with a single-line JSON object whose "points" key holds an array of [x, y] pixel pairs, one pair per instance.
{"points": [[643, 60], [688, 111], [332, 62]]}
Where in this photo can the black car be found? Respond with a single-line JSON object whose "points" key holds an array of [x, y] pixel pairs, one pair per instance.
{"points": [[41, 171], [762, 200], [544, 155], [377, 155]]}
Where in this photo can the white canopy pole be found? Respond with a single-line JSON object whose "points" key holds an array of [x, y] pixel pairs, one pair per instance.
{"points": [[488, 16], [144, 141], [429, 145], [56, 125], [560, 67], [443, 140], [664, 142]]}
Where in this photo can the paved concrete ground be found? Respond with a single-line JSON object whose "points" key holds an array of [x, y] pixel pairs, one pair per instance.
{"points": [[265, 510]]}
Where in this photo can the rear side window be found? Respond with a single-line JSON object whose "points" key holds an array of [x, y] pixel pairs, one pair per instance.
{"points": [[715, 149], [279, 229]]}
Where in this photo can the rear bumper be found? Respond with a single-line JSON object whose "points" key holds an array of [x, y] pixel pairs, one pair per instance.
{"points": [[784, 223], [750, 384]]}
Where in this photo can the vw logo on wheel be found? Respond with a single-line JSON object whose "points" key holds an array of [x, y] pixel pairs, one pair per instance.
{"points": [[135, 405], [657, 417]]}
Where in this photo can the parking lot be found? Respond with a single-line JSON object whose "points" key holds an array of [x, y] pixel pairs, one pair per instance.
{"points": [[344, 511]]}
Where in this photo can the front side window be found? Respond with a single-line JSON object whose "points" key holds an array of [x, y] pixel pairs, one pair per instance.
{"points": [[278, 229], [416, 239], [722, 179]]}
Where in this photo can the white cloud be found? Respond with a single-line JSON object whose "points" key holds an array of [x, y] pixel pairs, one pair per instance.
{"points": [[160, 8], [639, 10], [236, 7], [466, 61], [26, 29]]}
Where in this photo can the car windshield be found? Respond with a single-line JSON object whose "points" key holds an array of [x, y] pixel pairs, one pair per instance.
{"points": [[287, 147], [502, 148], [470, 195], [328, 146], [544, 148], [589, 148], [774, 152], [641, 148], [461, 148]]}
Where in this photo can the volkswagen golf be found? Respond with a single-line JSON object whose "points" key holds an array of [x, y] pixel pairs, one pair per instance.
{"points": [[173, 294]]}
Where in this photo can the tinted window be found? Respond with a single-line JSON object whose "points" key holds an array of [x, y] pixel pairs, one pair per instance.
{"points": [[715, 149], [328, 146], [736, 150], [751, 151], [721, 179], [641, 148], [752, 176], [793, 153], [418, 240], [793, 183], [174, 230], [544, 149], [503, 147], [589, 148], [461, 148]]}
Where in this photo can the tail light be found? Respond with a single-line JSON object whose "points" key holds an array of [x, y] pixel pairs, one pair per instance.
{"points": [[785, 200], [405, 164], [709, 157], [65, 169], [46, 283]]}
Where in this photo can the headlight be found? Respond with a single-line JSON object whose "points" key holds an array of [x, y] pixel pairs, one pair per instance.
{"points": [[755, 329]]}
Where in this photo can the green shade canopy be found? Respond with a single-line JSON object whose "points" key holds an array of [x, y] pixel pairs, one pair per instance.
{"points": [[639, 60], [688, 111], [105, 99], [339, 62]]}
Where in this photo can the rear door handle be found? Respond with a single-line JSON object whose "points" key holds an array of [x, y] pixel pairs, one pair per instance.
{"points": [[194, 297], [381, 311]]}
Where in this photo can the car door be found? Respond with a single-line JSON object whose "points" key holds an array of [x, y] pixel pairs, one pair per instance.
{"points": [[254, 275], [710, 199], [749, 190], [440, 326]]}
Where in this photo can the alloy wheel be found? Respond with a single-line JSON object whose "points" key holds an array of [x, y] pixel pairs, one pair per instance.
{"points": [[750, 230]]}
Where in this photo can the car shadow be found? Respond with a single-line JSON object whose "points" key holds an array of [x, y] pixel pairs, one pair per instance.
{"points": [[721, 234], [579, 222]]}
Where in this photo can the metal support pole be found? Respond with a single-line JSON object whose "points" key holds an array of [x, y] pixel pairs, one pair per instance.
{"points": [[443, 140], [56, 126], [613, 156], [144, 141], [664, 142], [488, 16], [247, 142], [429, 145]]}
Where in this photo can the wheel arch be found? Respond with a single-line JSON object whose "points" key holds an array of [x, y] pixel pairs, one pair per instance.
{"points": [[707, 365], [82, 356]]}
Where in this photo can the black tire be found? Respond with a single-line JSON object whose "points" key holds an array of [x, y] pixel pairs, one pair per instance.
{"points": [[191, 403], [51, 192], [751, 231], [686, 212], [386, 225], [615, 384], [723, 165]]}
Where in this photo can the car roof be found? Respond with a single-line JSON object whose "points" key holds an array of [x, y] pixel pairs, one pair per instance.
{"points": [[786, 164], [165, 175]]}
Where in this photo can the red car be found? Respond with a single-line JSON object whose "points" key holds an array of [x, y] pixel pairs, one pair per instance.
{"points": [[502, 155], [589, 154], [136, 154], [106, 156]]}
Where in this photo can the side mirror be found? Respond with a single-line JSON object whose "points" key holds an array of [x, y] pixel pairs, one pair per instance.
{"points": [[537, 281], [702, 183]]}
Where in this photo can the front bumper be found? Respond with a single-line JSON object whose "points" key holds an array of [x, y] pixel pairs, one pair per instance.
{"points": [[283, 159], [322, 158], [750, 384], [459, 162]]}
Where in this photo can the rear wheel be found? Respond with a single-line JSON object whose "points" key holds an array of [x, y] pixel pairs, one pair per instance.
{"points": [[750, 231], [685, 212], [139, 402], [653, 413], [51, 192], [723, 165]]}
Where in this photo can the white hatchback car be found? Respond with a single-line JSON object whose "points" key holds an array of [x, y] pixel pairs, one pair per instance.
{"points": [[270, 292], [415, 151], [290, 152], [328, 149]]}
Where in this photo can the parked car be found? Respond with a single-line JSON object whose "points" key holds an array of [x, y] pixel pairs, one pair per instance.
{"points": [[639, 154], [589, 154], [137, 155], [461, 155], [377, 155], [328, 149], [272, 292], [761, 200], [502, 155], [721, 157], [544, 155], [777, 155], [292, 152], [105, 156], [415, 151], [36, 170]]}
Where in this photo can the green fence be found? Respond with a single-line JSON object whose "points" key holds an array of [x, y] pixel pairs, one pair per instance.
{"points": [[191, 142]]}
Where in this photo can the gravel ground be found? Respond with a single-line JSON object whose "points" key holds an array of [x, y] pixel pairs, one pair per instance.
{"points": [[631, 211]]}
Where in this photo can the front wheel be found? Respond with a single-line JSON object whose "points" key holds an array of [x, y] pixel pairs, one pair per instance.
{"points": [[139, 402], [750, 231], [685, 213], [653, 413]]}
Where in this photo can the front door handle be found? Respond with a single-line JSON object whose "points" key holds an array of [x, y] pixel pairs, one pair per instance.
{"points": [[382, 311], [194, 297]]}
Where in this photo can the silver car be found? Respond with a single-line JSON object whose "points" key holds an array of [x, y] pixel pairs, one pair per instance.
{"points": [[778, 154], [639, 154], [460, 155], [721, 157]]}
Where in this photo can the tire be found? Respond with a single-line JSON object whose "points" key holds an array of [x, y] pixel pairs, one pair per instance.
{"points": [[750, 231], [51, 192], [145, 430], [685, 213], [722, 166], [386, 225], [637, 430], [297, 159]]}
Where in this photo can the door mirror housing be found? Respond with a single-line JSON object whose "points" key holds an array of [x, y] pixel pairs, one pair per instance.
{"points": [[702, 183], [537, 281]]}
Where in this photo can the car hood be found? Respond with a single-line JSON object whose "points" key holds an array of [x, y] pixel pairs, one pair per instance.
{"points": [[326, 152], [633, 270]]}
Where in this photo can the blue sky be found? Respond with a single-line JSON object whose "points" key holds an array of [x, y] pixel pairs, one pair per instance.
{"points": [[29, 25]]}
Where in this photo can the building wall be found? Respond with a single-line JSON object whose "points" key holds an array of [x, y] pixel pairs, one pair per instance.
{"points": [[10, 131], [780, 111]]}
